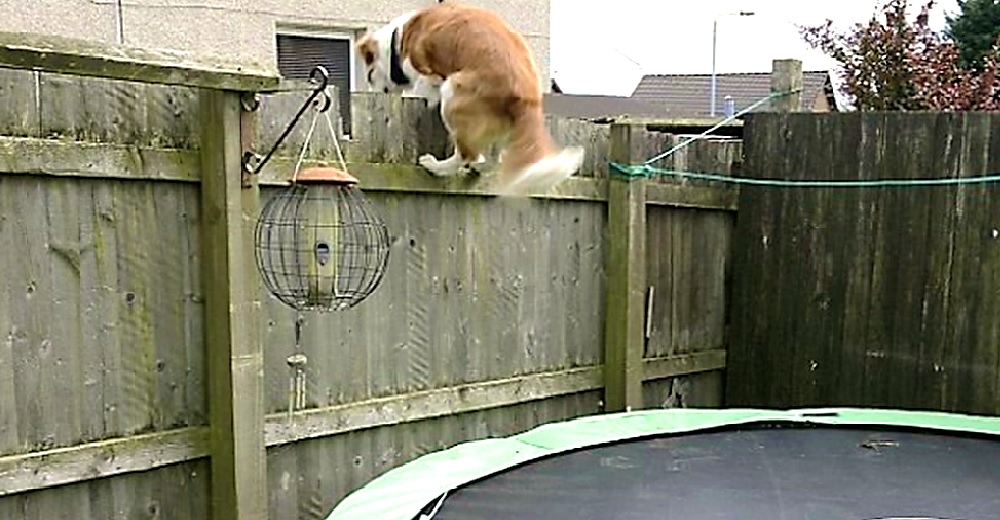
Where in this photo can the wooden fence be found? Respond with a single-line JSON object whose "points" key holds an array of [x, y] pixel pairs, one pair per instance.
{"points": [[143, 367], [868, 296]]}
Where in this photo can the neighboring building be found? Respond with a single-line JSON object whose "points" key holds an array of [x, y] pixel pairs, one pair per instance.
{"points": [[599, 108], [680, 102], [291, 36], [688, 95]]}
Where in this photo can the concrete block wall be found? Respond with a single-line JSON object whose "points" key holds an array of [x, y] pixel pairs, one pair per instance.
{"points": [[239, 30]]}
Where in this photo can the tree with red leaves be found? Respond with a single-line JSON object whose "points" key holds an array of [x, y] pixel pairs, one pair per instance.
{"points": [[893, 64]]}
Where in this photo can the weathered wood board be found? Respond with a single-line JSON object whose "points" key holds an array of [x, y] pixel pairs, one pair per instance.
{"points": [[177, 492], [101, 333], [868, 296], [101, 304], [476, 289], [306, 480]]}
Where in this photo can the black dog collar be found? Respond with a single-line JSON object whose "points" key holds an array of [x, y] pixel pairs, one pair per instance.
{"points": [[396, 73]]}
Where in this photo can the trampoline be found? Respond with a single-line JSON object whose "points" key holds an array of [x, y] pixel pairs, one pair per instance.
{"points": [[815, 464]]}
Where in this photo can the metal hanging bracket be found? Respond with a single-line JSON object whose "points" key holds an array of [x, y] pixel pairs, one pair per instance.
{"points": [[253, 163]]}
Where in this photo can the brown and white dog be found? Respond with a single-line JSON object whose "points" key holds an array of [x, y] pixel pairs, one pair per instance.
{"points": [[484, 76]]}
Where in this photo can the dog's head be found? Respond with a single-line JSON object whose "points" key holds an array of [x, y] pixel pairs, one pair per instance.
{"points": [[379, 51], [374, 54]]}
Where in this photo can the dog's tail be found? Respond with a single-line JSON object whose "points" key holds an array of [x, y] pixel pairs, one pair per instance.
{"points": [[531, 161]]}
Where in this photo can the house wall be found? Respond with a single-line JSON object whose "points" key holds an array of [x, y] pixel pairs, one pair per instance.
{"points": [[240, 30], [820, 103]]}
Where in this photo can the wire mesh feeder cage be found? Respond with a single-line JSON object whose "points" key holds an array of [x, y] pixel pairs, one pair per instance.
{"points": [[321, 244]]}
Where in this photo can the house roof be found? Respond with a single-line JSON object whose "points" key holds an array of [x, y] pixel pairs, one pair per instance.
{"points": [[591, 107], [688, 94]]}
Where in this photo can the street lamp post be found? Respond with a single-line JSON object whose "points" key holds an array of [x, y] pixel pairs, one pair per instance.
{"points": [[715, 31]]}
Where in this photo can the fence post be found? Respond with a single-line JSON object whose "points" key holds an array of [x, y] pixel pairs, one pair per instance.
{"points": [[231, 316], [786, 76], [626, 274]]}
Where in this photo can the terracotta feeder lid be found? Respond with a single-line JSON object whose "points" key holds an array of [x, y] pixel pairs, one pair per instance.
{"points": [[322, 173]]}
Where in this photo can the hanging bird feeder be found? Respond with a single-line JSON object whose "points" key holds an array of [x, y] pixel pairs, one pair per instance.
{"points": [[321, 244]]}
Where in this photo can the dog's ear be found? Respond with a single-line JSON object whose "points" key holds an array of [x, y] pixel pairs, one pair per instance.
{"points": [[367, 47]]}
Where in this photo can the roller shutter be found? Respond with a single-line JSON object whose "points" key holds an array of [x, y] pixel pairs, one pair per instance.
{"points": [[297, 55]]}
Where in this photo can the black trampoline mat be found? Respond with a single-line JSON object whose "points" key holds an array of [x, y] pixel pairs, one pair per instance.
{"points": [[781, 473]]}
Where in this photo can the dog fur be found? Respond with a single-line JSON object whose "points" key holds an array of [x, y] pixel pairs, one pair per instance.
{"points": [[484, 76]]}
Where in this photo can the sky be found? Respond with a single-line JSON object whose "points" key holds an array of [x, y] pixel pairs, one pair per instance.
{"points": [[605, 46]]}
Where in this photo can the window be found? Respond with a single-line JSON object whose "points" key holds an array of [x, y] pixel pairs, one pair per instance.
{"points": [[298, 54]]}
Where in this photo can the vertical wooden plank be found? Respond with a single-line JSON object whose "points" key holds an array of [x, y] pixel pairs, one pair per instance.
{"points": [[937, 373], [168, 307], [817, 326], [561, 352], [314, 500], [400, 123], [575, 299], [283, 480], [528, 355], [126, 496], [30, 307], [232, 332], [91, 366], [467, 361], [368, 126], [908, 252], [827, 240], [659, 277], [18, 103], [795, 348], [624, 334], [783, 348], [602, 150], [8, 375], [592, 262], [507, 291], [133, 293], [888, 224], [757, 234], [841, 375], [970, 357], [56, 502], [106, 218], [987, 331], [437, 264], [194, 335], [869, 274], [472, 240], [199, 475], [171, 117], [63, 370], [11, 506]]}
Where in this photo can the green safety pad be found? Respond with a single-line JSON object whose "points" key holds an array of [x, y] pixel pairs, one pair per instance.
{"points": [[401, 493]]}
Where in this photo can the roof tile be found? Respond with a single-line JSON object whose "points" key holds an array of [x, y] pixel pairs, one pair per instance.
{"points": [[688, 94]]}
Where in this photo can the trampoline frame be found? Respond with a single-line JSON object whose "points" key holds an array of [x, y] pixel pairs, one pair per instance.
{"points": [[401, 493]]}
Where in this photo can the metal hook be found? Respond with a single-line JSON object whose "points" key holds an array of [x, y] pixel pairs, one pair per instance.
{"points": [[318, 75]]}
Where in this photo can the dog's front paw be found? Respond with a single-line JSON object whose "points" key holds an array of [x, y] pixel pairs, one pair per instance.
{"points": [[434, 166], [428, 161]]}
